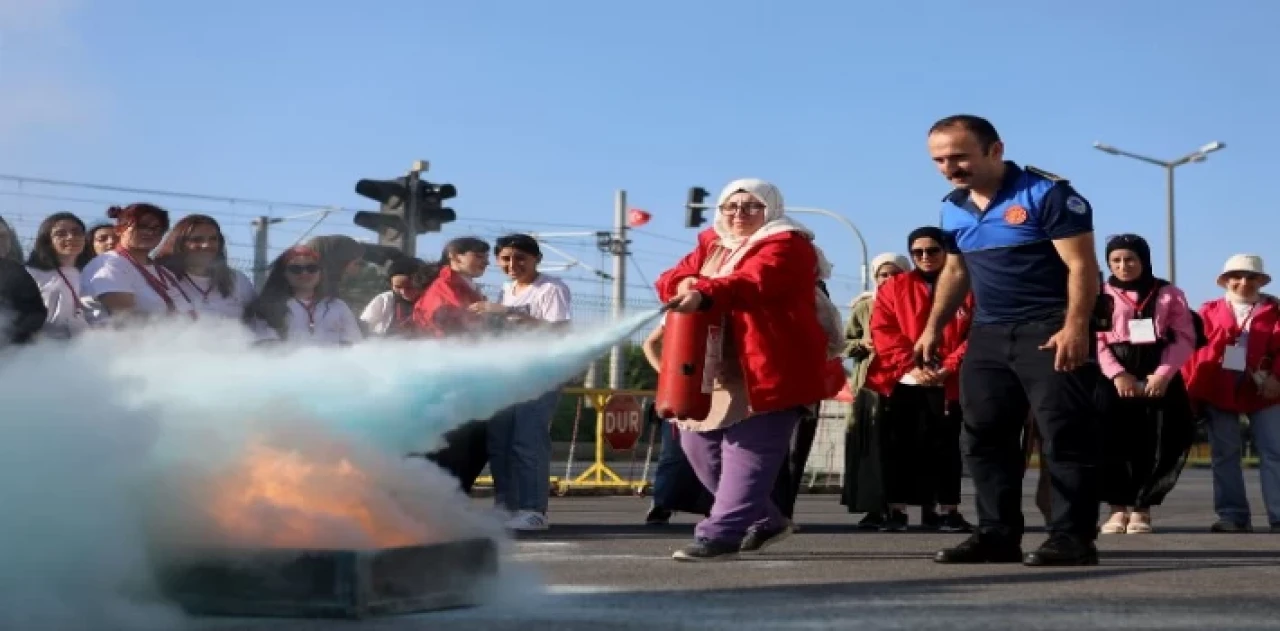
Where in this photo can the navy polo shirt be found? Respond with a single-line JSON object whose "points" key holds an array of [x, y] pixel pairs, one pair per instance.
{"points": [[1016, 274]]}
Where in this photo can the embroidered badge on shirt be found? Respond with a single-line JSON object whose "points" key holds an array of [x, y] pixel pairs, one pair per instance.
{"points": [[1016, 215], [1077, 205]]}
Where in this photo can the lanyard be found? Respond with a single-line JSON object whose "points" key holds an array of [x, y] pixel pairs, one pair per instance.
{"points": [[75, 298], [310, 308], [1243, 327], [400, 320], [159, 285], [1138, 307], [204, 293]]}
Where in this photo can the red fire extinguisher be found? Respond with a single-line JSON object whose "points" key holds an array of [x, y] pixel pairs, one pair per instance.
{"points": [[683, 393]]}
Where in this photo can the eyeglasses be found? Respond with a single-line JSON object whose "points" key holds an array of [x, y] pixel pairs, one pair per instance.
{"points": [[746, 208], [302, 269], [923, 252]]}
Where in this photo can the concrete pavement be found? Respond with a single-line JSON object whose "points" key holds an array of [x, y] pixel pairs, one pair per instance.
{"points": [[599, 566]]}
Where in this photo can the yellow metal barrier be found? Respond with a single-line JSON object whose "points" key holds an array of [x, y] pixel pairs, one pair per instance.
{"points": [[599, 475]]}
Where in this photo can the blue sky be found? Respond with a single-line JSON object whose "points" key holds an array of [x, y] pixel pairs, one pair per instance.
{"points": [[538, 111]]}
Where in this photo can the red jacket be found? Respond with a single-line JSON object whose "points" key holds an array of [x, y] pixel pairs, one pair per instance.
{"points": [[441, 311], [1230, 391], [898, 317], [769, 300]]}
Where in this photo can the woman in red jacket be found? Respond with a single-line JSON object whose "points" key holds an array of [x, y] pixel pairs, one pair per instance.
{"points": [[922, 419], [443, 311], [755, 274], [1234, 375]]}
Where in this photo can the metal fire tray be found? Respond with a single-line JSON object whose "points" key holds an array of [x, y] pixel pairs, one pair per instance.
{"points": [[330, 583]]}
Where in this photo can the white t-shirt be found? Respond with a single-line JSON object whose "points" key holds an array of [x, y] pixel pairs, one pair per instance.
{"points": [[112, 273], [547, 299], [329, 323], [381, 313], [61, 293], [210, 301]]}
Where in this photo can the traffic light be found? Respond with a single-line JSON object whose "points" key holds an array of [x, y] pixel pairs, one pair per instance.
{"points": [[694, 207], [409, 206]]}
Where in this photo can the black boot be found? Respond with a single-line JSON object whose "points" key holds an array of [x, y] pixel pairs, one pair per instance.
{"points": [[1063, 549], [980, 549]]}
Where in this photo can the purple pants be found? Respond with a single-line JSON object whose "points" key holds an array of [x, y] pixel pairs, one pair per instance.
{"points": [[739, 465]]}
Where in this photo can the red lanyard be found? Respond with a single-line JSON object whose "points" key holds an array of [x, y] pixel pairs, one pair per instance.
{"points": [[1137, 307], [204, 293], [402, 320], [75, 298], [159, 285], [310, 308]]}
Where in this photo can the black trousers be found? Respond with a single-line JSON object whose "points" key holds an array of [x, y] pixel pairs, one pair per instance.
{"points": [[1003, 375], [1145, 446], [465, 454], [922, 448], [787, 486]]}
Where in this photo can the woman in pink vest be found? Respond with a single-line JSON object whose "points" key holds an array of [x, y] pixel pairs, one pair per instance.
{"points": [[1149, 426], [1234, 376]]}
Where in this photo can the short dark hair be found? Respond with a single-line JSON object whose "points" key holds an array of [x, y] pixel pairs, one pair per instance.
{"points": [[522, 242], [981, 128]]}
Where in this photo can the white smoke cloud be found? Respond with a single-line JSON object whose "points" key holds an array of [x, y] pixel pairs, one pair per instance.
{"points": [[117, 445]]}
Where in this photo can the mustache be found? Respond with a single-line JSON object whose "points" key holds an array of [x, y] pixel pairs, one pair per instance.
{"points": [[960, 173]]}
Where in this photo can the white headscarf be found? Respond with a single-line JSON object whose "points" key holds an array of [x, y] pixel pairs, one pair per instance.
{"points": [[775, 220]]}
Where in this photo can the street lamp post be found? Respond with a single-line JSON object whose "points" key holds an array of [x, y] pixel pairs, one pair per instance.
{"points": [[1199, 155], [866, 273]]}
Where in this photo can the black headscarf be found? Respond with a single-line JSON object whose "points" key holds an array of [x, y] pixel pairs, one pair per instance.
{"points": [[1144, 283], [925, 232]]}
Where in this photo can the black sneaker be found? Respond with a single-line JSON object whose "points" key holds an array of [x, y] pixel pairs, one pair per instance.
{"points": [[757, 540], [930, 519], [872, 521], [954, 522], [979, 549], [657, 516], [896, 521], [706, 550], [1228, 526], [1063, 549]]}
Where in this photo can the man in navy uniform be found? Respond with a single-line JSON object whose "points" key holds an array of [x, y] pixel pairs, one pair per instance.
{"points": [[1022, 240]]}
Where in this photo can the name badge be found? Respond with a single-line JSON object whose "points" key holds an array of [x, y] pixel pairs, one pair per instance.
{"points": [[1142, 331], [1234, 358]]}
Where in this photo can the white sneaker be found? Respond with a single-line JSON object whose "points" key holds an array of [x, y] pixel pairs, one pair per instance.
{"points": [[526, 521]]}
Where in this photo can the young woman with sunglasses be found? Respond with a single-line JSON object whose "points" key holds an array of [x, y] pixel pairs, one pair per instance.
{"points": [[296, 307], [126, 281]]}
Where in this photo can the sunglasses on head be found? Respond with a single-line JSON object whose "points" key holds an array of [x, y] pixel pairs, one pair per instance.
{"points": [[302, 269]]}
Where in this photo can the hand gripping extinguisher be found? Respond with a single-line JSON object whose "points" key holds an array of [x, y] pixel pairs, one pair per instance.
{"points": [[682, 391]]}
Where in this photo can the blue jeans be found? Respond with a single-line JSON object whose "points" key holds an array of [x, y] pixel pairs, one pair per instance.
{"points": [[1229, 499], [520, 454]]}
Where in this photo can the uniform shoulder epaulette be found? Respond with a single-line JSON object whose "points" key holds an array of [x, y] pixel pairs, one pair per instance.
{"points": [[1052, 177]]}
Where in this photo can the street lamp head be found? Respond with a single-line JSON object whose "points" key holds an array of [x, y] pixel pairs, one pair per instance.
{"points": [[1213, 146], [1106, 148]]}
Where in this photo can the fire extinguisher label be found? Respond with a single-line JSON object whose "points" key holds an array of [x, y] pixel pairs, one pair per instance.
{"points": [[715, 353]]}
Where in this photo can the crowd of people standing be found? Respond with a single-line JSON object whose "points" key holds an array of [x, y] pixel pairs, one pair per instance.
{"points": [[999, 331]]}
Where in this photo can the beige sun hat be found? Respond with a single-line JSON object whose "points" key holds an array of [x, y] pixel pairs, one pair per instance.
{"points": [[1249, 263]]}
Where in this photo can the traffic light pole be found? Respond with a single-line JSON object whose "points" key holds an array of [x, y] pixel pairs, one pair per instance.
{"points": [[411, 213], [617, 354]]}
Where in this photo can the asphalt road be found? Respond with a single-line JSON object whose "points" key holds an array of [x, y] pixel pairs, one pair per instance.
{"points": [[598, 565]]}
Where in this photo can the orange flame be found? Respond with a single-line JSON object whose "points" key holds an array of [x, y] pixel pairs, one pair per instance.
{"points": [[279, 498]]}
